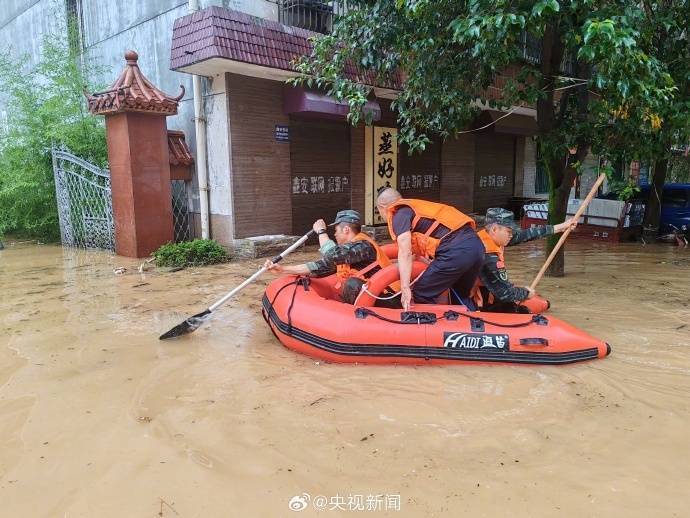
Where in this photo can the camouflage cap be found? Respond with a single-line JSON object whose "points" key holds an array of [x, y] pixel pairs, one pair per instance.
{"points": [[347, 216], [501, 217]]}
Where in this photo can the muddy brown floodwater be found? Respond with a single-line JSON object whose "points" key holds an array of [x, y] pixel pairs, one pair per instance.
{"points": [[98, 418]]}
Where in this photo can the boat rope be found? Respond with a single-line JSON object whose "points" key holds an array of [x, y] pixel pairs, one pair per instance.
{"points": [[406, 317], [536, 319], [431, 318], [299, 281], [388, 297]]}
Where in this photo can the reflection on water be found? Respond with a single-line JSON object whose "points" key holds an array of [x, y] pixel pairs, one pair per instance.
{"points": [[226, 422]]}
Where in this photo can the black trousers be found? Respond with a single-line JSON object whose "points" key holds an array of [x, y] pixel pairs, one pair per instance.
{"points": [[456, 266], [505, 307]]}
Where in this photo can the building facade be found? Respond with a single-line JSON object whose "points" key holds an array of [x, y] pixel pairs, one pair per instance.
{"points": [[278, 157]]}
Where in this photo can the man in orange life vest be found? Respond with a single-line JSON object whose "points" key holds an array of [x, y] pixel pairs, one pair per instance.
{"points": [[355, 257], [437, 233], [493, 291]]}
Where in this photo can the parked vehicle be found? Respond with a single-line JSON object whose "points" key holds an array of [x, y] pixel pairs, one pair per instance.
{"points": [[675, 206]]}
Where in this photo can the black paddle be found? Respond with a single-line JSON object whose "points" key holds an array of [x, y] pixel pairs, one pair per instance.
{"points": [[192, 323]]}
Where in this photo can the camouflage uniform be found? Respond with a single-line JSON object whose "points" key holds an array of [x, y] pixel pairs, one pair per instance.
{"points": [[358, 254], [494, 276]]}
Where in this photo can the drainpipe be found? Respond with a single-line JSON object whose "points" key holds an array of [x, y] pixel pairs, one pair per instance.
{"points": [[200, 124]]}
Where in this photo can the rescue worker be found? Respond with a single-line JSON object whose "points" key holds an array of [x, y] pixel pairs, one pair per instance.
{"points": [[355, 258], [439, 234], [493, 291]]}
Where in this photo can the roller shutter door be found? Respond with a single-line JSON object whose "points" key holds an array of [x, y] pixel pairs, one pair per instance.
{"points": [[494, 177], [320, 171]]}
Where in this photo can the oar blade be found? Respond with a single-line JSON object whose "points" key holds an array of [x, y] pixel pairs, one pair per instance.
{"points": [[188, 326]]}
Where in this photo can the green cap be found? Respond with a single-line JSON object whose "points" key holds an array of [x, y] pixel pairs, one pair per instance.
{"points": [[347, 216], [501, 217]]}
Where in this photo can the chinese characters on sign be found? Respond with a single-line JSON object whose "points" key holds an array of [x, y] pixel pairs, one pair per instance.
{"points": [[418, 181], [385, 163], [493, 180], [282, 133], [319, 184]]}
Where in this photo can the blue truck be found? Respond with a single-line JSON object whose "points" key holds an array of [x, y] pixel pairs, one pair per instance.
{"points": [[675, 205]]}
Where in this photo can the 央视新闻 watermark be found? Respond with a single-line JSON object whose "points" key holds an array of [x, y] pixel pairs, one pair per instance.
{"points": [[349, 502]]}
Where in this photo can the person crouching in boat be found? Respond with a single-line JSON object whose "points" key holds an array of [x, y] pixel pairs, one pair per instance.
{"points": [[354, 257], [438, 234], [493, 291]]}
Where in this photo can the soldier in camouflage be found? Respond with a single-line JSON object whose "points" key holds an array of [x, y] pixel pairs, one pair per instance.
{"points": [[494, 292], [344, 251]]}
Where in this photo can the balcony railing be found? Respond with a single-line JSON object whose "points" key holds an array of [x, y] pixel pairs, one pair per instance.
{"points": [[313, 15]]}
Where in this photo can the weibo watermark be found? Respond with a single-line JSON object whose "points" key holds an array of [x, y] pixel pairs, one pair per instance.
{"points": [[348, 502]]}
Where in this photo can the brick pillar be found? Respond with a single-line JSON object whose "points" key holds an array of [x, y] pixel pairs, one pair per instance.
{"points": [[140, 180], [135, 120]]}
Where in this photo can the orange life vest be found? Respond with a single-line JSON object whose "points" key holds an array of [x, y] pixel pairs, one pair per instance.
{"points": [[345, 271], [424, 245], [491, 248]]}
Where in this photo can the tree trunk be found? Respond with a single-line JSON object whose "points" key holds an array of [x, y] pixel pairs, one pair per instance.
{"points": [[562, 178], [652, 215], [552, 50]]}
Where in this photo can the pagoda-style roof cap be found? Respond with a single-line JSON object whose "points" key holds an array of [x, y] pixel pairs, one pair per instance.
{"points": [[132, 92], [178, 149]]}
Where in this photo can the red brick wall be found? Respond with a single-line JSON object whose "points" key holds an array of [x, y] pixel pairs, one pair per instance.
{"points": [[260, 165]]}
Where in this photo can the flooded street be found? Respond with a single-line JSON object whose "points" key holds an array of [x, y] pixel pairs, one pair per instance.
{"points": [[100, 418]]}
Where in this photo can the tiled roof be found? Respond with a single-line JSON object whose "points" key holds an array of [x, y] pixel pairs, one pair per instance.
{"points": [[216, 32], [178, 149], [133, 92]]}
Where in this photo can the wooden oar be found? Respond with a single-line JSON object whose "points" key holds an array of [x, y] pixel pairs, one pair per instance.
{"points": [[565, 234], [192, 323]]}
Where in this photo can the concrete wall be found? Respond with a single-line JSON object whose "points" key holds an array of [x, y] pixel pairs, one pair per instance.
{"points": [[23, 27], [24, 23], [219, 164], [261, 8], [590, 172], [529, 168]]}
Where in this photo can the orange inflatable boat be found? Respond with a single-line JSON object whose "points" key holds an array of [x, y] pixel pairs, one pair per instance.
{"points": [[306, 316]]}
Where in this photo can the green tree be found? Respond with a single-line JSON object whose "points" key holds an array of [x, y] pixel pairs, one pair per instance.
{"points": [[46, 107], [450, 54], [668, 38]]}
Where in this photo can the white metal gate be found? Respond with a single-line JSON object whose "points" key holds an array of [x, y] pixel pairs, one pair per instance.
{"points": [[85, 207], [84, 201]]}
